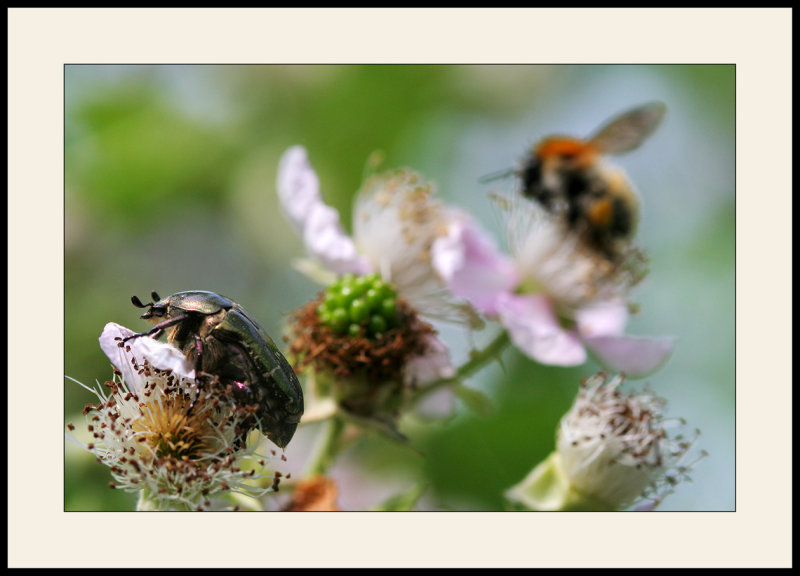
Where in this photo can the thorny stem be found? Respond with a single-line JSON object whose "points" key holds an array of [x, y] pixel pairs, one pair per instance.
{"points": [[327, 447], [478, 358]]}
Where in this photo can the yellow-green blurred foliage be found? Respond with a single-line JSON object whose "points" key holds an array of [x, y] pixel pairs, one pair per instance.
{"points": [[169, 186]]}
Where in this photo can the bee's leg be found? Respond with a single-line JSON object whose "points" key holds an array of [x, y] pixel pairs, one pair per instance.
{"points": [[156, 330]]}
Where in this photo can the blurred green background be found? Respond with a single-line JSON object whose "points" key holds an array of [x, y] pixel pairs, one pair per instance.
{"points": [[169, 186]]}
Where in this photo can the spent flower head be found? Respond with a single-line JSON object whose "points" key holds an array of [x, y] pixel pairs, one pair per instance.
{"points": [[614, 450], [161, 439]]}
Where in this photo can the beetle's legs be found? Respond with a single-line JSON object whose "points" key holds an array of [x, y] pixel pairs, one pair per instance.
{"points": [[198, 369], [156, 329]]}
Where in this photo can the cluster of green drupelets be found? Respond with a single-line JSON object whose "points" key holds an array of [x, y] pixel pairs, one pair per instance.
{"points": [[359, 305]]}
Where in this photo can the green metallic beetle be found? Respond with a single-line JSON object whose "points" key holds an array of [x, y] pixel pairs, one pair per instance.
{"points": [[224, 341]]}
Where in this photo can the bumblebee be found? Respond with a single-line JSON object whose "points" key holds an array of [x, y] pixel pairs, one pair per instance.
{"points": [[567, 176]]}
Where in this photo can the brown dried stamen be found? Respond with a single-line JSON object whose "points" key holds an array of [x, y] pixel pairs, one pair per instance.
{"points": [[367, 371]]}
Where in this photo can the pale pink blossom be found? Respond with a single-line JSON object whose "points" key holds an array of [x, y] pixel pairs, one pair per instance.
{"points": [[317, 223], [556, 299], [396, 220]]}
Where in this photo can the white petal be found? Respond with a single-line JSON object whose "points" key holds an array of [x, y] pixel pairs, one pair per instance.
{"points": [[117, 355], [602, 319], [298, 186], [535, 330], [159, 354], [468, 260], [433, 365], [164, 356], [396, 222], [325, 240], [437, 405], [635, 356]]}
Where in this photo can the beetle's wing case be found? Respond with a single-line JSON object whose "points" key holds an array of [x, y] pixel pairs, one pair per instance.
{"points": [[286, 377], [284, 391], [627, 131]]}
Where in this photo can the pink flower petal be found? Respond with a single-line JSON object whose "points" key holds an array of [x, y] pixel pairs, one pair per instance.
{"points": [[318, 223], [325, 240], [298, 186], [602, 319], [535, 330], [635, 356], [469, 262]]}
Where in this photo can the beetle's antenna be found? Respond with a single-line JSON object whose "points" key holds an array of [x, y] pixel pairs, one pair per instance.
{"points": [[155, 296], [138, 303]]}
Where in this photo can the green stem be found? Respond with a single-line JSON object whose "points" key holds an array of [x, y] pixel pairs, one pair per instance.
{"points": [[478, 358], [327, 448]]}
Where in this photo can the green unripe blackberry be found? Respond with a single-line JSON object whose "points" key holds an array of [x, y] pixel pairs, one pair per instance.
{"points": [[389, 308], [377, 324], [339, 320], [373, 298], [353, 303], [359, 310]]}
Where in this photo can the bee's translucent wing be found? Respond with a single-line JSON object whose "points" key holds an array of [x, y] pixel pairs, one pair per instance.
{"points": [[627, 131]]}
